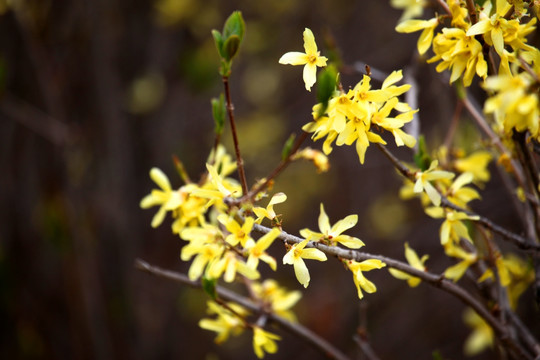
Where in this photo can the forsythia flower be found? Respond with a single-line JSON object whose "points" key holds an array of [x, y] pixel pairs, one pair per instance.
{"points": [[460, 53], [269, 212], [415, 262], [452, 229], [277, 298], [238, 233], [257, 250], [166, 197], [359, 279], [332, 235], [412, 8], [295, 257], [476, 164], [427, 27], [455, 272], [482, 335], [311, 59], [318, 158], [226, 322], [350, 116], [423, 179], [264, 341], [513, 103]]}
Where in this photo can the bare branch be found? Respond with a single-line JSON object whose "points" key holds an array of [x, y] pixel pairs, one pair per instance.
{"points": [[307, 335]]}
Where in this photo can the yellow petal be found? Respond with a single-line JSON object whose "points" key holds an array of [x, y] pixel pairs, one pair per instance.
{"points": [[309, 42], [294, 58]]}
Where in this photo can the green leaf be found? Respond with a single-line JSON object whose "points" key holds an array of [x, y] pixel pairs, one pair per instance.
{"points": [[422, 158], [287, 147], [326, 86], [209, 287], [218, 40], [219, 112], [234, 25], [230, 47]]}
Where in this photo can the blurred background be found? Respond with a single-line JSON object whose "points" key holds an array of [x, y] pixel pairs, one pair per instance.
{"points": [[95, 93]]}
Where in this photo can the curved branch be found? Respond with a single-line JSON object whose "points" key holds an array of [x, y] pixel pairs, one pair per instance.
{"points": [[307, 335], [433, 279]]}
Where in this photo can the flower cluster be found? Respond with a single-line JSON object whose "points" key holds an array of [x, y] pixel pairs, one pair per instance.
{"points": [[355, 116]]}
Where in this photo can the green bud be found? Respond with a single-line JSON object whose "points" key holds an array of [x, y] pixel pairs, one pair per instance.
{"points": [[230, 47], [422, 158], [218, 112], [218, 40], [209, 287], [326, 86], [287, 147], [234, 25]]}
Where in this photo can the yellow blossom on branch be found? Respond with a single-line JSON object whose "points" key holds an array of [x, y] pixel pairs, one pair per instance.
{"points": [[277, 298], [415, 261], [269, 212], [481, 336], [226, 323], [295, 257], [167, 198], [257, 251], [427, 27], [357, 268], [333, 234], [264, 341], [423, 179], [311, 59]]}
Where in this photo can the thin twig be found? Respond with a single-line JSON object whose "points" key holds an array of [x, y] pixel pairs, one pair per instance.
{"points": [[307, 335], [433, 279], [471, 8], [239, 159], [279, 168], [444, 5]]}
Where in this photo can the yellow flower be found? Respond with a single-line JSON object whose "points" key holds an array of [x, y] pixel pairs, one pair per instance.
{"points": [[423, 179], [460, 194], [230, 263], [166, 197], [415, 262], [269, 212], [411, 8], [333, 235], [427, 27], [482, 335], [295, 257], [277, 298], [452, 229], [257, 252], [319, 159], [359, 279], [204, 254], [226, 323], [513, 103], [455, 272], [460, 53], [237, 233], [311, 59], [476, 164], [263, 341]]}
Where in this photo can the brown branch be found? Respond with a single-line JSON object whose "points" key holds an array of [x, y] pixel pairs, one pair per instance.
{"points": [[302, 332], [279, 168], [435, 280], [239, 159]]}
